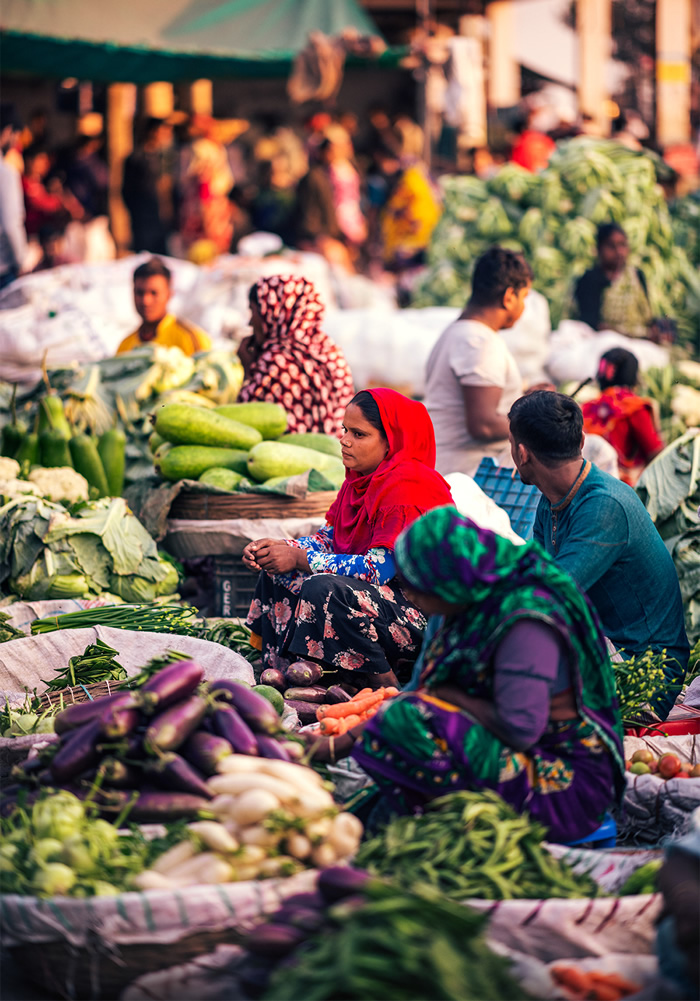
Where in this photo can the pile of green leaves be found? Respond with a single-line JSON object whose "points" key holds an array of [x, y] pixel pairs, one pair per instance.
{"points": [[552, 218], [670, 490], [97, 663], [58, 848], [471, 845], [399, 945], [49, 552], [7, 630]]}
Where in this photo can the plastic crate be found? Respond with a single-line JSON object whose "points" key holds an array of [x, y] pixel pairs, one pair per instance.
{"points": [[234, 587], [504, 486]]}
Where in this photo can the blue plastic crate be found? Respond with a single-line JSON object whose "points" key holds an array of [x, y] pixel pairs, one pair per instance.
{"points": [[504, 486]]}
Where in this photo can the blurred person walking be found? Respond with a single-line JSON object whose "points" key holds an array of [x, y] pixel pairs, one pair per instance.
{"points": [[147, 188], [13, 238]]}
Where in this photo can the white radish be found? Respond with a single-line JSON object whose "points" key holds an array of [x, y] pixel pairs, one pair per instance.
{"points": [[259, 835], [234, 764], [204, 868], [149, 879], [313, 803], [323, 856], [214, 835], [298, 846], [277, 866], [175, 856], [318, 830], [221, 805], [345, 834], [287, 771], [245, 872], [253, 806], [252, 854], [234, 785]]}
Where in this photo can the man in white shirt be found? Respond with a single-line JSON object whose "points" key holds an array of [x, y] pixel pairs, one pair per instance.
{"points": [[472, 379], [13, 237]]}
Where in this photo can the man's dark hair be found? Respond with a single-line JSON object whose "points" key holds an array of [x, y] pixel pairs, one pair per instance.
{"points": [[152, 268], [549, 425], [495, 271], [367, 405], [605, 231], [617, 367]]}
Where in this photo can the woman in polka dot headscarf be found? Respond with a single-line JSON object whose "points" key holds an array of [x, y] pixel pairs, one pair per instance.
{"points": [[289, 360]]}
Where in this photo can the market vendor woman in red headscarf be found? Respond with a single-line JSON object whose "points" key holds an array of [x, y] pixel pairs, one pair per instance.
{"points": [[289, 360], [331, 598]]}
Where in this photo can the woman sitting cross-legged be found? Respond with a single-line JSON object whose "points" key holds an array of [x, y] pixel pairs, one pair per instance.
{"points": [[517, 692], [332, 597]]}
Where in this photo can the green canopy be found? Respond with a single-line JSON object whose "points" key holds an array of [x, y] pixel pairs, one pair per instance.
{"points": [[145, 40]]}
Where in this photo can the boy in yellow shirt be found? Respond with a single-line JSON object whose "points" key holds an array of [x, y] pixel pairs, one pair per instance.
{"points": [[152, 290]]}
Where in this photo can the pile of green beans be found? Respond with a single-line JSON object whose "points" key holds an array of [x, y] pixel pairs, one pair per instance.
{"points": [[97, 663], [396, 945], [472, 845]]}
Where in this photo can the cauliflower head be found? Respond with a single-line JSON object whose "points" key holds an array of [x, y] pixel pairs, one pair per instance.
{"points": [[60, 483], [9, 468]]}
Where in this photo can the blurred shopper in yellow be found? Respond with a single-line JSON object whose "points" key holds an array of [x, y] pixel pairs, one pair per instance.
{"points": [[152, 291]]}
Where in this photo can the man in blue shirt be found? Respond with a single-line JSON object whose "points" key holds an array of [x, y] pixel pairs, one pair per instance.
{"points": [[600, 532]]}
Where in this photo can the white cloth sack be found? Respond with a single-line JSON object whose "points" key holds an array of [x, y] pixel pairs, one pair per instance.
{"points": [[575, 350], [654, 808], [188, 539], [25, 662], [471, 501]]}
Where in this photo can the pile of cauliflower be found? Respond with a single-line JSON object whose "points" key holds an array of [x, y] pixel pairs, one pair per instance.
{"points": [[61, 483]]}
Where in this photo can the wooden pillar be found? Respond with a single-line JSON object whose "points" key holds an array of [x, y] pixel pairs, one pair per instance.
{"points": [[473, 27], [158, 100], [121, 105], [201, 97], [503, 69], [594, 29], [673, 22]]}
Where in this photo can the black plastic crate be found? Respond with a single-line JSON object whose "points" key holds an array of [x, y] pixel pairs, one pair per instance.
{"points": [[234, 587]]}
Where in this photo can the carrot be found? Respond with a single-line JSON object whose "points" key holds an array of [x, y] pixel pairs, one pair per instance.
{"points": [[390, 692], [614, 981], [341, 709], [346, 724], [604, 992], [573, 978], [329, 726]]}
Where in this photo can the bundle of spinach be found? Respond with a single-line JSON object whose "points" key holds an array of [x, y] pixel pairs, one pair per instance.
{"points": [[97, 663]]}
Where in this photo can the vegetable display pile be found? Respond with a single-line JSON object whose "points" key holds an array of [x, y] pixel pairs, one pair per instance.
{"points": [[593, 984], [47, 552], [636, 681], [97, 663], [58, 848], [358, 938], [149, 751], [552, 217], [670, 490], [471, 845], [665, 766], [274, 818], [240, 446]]}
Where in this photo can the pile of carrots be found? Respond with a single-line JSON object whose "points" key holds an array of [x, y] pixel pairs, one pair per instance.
{"points": [[591, 984], [343, 716]]}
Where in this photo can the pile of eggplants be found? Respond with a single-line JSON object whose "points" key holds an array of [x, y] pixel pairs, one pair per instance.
{"points": [[147, 754], [302, 687]]}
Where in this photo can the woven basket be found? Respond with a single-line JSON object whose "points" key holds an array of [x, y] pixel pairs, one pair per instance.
{"points": [[205, 507], [69, 972], [82, 693]]}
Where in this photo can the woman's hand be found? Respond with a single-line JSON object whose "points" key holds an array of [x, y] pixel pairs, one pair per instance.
{"points": [[274, 556]]}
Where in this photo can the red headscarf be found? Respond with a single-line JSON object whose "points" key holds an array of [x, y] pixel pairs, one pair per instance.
{"points": [[373, 509]]}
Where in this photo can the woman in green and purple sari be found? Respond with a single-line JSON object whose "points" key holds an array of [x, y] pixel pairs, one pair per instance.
{"points": [[517, 692]]}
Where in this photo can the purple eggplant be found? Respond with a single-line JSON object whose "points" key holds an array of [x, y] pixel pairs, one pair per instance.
{"points": [[131, 747], [120, 718], [337, 694], [171, 728], [303, 673], [154, 807], [294, 748], [268, 747], [311, 899], [205, 751], [306, 711], [305, 918], [117, 773], [341, 881], [229, 725], [274, 940], [255, 710], [82, 712], [77, 753], [313, 693], [173, 684], [172, 772], [271, 676]]}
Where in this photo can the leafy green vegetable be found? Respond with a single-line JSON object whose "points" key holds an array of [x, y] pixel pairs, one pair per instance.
{"points": [[97, 663]]}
